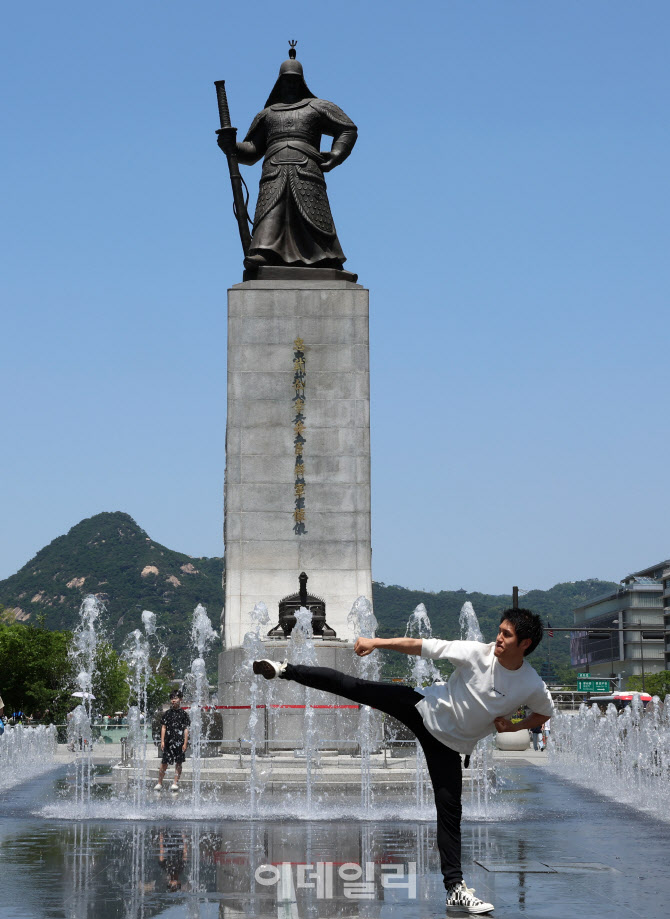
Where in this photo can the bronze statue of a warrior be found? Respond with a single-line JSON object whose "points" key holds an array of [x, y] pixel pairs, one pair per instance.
{"points": [[293, 225]]}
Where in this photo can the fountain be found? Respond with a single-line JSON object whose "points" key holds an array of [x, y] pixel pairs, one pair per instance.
{"points": [[469, 624], [260, 780], [260, 694], [422, 671], [136, 653], [25, 752], [484, 777], [625, 754], [363, 623], [80, 734], [202, 635], [301, 651]]}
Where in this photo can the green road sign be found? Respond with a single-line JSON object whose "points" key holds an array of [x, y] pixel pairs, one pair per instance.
{"points": [[583, 676], [593, 685]]}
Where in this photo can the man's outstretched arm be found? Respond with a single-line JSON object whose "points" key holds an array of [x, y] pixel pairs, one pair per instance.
{"points": [[365, 646]]}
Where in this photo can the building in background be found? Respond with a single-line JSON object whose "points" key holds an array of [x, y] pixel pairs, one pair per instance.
{"points": [[640, 612]]}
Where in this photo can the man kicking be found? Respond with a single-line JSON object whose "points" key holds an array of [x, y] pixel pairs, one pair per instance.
{"points": [[489, 682]]}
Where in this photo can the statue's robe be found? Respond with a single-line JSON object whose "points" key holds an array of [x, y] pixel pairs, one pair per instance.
{"points": [[293, 224]]}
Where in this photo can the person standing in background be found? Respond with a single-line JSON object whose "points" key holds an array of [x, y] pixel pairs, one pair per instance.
{"points": [[174, 740]]}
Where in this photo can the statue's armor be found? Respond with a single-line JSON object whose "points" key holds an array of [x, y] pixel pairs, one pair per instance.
{"points": [[289, 138]]}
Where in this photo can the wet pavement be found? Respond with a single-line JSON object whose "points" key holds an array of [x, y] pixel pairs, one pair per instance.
{"points": [[553, 851]]}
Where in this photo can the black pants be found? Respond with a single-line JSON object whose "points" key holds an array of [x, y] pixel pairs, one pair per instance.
{"points": [[444, 765]]}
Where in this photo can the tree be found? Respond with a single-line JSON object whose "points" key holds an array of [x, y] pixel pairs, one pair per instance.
{"points": [[656, 684], [110, 680], [35, 669], [159, 686], [38, 676], [158, 691], [111, 683]]}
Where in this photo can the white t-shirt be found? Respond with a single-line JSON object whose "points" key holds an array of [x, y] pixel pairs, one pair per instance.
{"points": [[461, 711]]}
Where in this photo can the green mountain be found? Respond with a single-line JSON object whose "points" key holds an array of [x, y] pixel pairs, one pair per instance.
{"points": [[111, 556]]}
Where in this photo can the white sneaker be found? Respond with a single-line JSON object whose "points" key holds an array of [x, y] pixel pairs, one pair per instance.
{"points": [[158, 786], [269, 669], [174, 787], [461, 897]]}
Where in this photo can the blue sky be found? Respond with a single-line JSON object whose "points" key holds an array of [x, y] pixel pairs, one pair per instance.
{"points": [[506, 204]]}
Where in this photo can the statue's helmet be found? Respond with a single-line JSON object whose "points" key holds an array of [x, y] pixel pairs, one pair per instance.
{"points": [[290, 68]]}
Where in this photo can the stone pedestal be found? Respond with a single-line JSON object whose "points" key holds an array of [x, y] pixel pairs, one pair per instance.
{"points": [[297, 486], [281, 704]]}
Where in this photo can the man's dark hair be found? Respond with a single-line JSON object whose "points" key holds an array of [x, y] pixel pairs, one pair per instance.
{"points": [[176, 694], [526, 625]]}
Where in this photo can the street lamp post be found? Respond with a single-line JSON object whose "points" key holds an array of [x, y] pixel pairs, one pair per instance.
{"points": [[641, 653], [613, 676]]}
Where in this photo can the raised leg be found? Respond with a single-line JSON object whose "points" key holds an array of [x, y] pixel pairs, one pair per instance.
{"points": [[391, 698]]}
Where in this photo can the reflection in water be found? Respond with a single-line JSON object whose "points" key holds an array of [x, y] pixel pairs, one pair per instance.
{"points": [[195, 883], [135, 902], [521, 846], [100, 871], [172, 855], [81, 863], [422, 851]]}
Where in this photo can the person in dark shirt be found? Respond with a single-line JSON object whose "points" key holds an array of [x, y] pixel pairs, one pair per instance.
{"points": [[174, 740]]}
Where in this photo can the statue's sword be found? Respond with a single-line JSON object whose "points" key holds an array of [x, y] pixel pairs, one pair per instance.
{"points": [[239, 204]]}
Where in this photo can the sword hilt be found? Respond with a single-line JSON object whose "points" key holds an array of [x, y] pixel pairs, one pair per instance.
{"points": [[222, 99]]}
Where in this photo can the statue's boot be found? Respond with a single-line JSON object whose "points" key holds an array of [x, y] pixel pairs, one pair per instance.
{"points": [[255, 261]]}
